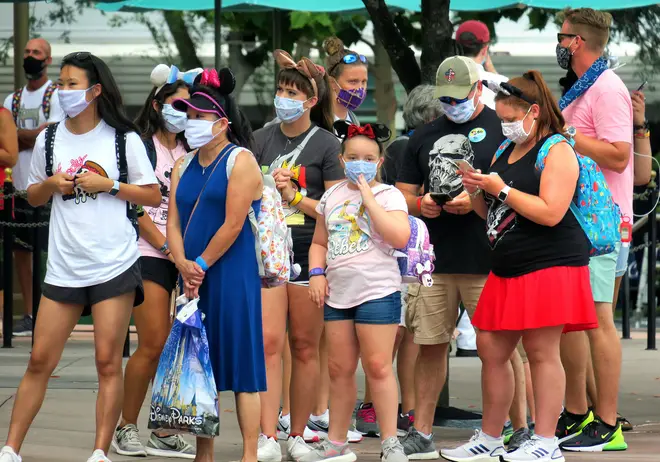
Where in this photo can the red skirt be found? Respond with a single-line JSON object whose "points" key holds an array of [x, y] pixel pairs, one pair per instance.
{"points": [[557, 296]]}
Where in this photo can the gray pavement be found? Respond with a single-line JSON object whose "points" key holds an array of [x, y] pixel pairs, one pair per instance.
{"points": [[64, 429]]}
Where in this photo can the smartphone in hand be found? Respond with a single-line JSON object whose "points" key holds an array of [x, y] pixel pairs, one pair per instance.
{"points": [[641, 87], [440, 198], [464, 166]]}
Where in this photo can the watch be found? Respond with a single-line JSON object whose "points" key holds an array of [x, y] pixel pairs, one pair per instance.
{"points": [[316, 272], [115, 188], [570, 131], [504, 193]]}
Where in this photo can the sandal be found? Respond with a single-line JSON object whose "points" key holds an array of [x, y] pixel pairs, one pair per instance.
{"points": [[626, 426]]}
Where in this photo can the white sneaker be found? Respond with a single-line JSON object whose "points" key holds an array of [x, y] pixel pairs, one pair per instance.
{"points": [[354, 437], [536, 450], [283, 426], [98, 456], [268, 450], [310, 436], [297, 448], [478, 448], [7, 454]]}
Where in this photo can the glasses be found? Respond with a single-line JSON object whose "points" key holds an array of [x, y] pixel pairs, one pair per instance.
{"points": [[561, 36], [449, 100], [350, 58], [78, 55]]}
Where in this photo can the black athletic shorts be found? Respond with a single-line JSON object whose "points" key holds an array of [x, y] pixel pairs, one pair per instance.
{"points": [[161, 271], [129, 281]]}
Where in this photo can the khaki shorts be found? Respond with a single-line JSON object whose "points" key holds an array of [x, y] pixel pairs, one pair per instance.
{"points": [[433, 311]]}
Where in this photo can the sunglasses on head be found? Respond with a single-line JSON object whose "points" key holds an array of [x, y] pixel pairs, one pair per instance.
{"points": [[561, 36], [78, 55], [350, 58]]}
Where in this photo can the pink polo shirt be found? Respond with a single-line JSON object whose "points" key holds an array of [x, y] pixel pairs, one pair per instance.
{"points": [[604, 112]]}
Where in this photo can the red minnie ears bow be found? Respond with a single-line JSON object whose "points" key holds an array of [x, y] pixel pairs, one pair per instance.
{"points": [[210, 78], [365, 130]]}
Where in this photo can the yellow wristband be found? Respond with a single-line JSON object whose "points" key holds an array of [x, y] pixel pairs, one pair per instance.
{"points": [[646, 134], [296, 199]]}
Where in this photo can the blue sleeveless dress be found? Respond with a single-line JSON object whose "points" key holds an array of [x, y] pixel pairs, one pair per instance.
{"points": [[230, 295]]}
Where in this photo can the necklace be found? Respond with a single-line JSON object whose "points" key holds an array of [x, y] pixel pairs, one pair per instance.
{"points": [[214, 160]]}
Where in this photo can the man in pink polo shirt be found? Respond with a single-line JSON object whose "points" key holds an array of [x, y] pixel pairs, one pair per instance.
{"points": [[598, 111]]}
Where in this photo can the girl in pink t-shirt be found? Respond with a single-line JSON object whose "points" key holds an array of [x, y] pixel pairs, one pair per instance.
{"points": [[357, 283]]}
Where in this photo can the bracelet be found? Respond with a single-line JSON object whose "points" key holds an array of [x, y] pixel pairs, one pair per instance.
{"points": [[419, 203], [164, 248], [646, 134], [475, 194], [296, 199], [202, 264]]}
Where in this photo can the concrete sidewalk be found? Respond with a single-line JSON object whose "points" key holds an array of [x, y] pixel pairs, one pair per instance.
{"points": [[64, 429]]}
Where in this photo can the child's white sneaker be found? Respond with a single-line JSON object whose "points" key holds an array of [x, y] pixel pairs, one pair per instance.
{"points": [[480, 447], [98, 456], [536, 450], [7, 454]]}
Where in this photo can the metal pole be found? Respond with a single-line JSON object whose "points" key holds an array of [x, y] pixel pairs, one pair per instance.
{"points": [[217, 21], [21, 33], [7, 264], [625, 317], [652, 252], [277, 41], [36, 267]]}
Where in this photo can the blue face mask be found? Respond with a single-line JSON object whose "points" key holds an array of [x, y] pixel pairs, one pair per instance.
{"points": [[175, 121], [289, 110], [356, 168]]}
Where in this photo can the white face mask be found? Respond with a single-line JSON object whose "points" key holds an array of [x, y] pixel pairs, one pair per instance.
{"points": [[459, 113], [515, 131], [73, 102], [175, 121], [200, 132]]}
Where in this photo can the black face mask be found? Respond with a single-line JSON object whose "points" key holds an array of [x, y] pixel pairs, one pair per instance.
{"points": [[33, 67]]}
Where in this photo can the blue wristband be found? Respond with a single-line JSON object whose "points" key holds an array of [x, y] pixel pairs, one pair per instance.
{"points": [[202, 264]]}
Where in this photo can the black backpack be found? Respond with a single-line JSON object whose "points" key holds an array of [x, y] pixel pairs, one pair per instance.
{"points": [[120, 150]]}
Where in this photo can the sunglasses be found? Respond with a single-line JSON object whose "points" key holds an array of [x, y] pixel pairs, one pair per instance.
{"points": [[350, 58], [449, 100], [561, 37], [78, 55]]}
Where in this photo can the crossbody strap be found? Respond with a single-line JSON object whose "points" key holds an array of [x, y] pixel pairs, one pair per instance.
{"points": [[226, 150]]}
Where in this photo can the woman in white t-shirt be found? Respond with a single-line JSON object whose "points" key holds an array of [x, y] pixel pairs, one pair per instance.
{"points": [[162, 132], [356, 281], [93, 253]]}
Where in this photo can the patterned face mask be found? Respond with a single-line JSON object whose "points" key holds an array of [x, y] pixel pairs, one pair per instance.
{"points": [[564, 55], [515, 131], [351, 99], [459, 113]]}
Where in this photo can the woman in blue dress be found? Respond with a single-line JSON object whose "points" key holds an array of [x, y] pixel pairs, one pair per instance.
{"points": [[210, 237]]}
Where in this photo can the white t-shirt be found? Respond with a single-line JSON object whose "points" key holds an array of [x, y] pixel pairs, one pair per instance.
{"points": [[488, 95], [90, 240], [30, 116]]}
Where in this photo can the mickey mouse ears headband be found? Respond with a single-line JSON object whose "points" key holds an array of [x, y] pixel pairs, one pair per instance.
{"points": [[165, 75], [508, 90], [377, 132]]}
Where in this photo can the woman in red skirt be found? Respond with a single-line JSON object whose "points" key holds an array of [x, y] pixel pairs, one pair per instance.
{"points": [[539, 285]]}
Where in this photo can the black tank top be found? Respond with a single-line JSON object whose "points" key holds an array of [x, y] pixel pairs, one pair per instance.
{"points": [[521, 246]]}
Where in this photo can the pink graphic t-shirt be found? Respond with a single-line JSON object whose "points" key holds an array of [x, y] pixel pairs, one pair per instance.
{"points": [[357, 270], [165, 160], [604, 112]]}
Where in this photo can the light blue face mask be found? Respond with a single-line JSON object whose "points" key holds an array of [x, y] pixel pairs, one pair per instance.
{"points": [[356, 168], [459, 113], [175, 121], [289, 110]]}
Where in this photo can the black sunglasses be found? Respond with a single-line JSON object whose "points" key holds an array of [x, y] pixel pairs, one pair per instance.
{"points": [[561, 36], [78, 55]]}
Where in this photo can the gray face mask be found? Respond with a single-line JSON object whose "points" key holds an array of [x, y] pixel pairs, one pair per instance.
{"points": [[564, 55]]}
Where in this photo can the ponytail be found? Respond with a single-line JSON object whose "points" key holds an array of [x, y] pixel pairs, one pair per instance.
{"points": [[534, 88]]}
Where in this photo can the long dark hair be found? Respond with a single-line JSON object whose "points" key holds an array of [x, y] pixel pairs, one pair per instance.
{"points": [[534, 88], [109, 104], [322, 114], [150, 120]]}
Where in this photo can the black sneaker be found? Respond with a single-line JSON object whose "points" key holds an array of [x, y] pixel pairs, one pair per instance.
{"points": [[518, 438], [404, 422], [568, 427], [24, 327], [597, 437]]}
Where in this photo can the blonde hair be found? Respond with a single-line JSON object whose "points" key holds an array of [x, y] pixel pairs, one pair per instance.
{"points": [[592, 25]]}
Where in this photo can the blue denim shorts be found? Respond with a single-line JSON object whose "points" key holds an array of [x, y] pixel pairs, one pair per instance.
{"points": [[386, 310]]}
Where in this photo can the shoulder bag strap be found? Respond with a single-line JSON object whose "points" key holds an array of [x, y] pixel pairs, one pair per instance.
{"points": [[45, 103], [505, 144], [50, 146], [16, 104], [226, 150]]}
